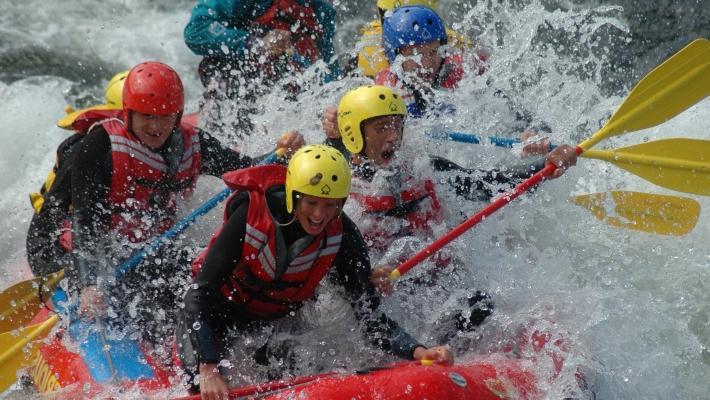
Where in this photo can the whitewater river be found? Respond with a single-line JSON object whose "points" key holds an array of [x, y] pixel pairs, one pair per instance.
{"points": [[633, 305]]}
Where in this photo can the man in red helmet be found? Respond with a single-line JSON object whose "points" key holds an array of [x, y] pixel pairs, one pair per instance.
{"points": [[126, 178]]}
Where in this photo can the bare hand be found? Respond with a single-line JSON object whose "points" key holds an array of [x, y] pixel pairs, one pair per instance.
{"points": [[212, 385], [291, 141], [275, 43], [439, 354], [536, 146], [91, 303], [379, 278], [563, 157], [329, 120]]}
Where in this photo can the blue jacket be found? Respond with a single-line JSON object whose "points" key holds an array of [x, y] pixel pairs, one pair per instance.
{"points": [[216, 24]]}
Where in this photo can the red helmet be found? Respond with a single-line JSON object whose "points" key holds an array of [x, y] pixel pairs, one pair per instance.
{"points": [[153, 88]]}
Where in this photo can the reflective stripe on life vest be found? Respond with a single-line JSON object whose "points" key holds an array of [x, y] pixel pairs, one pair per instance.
{"points": [[412, 209], [265, 283], [141, 185]]}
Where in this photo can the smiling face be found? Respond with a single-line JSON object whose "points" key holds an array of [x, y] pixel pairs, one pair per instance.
{"points": [[152, 130], [422, 61], [383, 136], [314, 213]]}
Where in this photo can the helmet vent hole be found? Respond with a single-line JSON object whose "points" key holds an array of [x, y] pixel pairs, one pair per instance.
{"points": [[334, 178], [150, 75], [429, 22], [382, 97], [333, 158], [394, 95], [352, 139], [152, 95], [317, 156]]}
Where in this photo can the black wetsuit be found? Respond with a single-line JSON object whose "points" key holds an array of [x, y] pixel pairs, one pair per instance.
{"points": [[206, 306], [471, 184], [80, 193]]}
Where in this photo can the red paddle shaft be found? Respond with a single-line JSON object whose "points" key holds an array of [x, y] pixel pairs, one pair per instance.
{"points": [[475, 219]]}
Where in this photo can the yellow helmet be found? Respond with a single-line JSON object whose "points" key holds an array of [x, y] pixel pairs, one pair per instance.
{"points": [[114, 101], [388, 5], [114, 90], [317, 170], [361, 104]]}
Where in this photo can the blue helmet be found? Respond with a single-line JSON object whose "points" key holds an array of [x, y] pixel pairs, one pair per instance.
{"points": [[411, 25]]}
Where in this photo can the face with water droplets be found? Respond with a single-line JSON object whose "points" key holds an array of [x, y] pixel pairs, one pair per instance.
{"points": [[383, 136], [422, 61], [152, 130], [314, 213]]}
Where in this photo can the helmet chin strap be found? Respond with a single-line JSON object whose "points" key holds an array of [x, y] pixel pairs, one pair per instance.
{"points": [[129, 121]]}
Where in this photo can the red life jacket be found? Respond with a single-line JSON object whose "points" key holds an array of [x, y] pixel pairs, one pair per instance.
{"points": [[142, 185], [300, 19], [404, 213], [265, 283]]}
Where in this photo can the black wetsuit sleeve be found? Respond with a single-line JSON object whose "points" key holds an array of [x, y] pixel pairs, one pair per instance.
{"points": [[338, 144], [90, 183], [352, 271], [481, 185], [44, 252], [218, 159], [205, 306]]}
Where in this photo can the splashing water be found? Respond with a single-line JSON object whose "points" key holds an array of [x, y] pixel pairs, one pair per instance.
{"points": [[632, 306]]}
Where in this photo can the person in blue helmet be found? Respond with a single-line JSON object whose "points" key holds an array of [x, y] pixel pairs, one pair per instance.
{"points": [[249, 45], [415, 42]]}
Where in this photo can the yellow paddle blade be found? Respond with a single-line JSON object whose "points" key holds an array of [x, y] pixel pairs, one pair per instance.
{"points": [[18, 348], [677, 164], [665, 215], [666, 91], [21, 302]]}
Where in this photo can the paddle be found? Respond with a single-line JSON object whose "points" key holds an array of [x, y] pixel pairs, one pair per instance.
{"points": [[657, 103], [678, 164], [20, 302], [665, 215], [684, 161], [15, 355], [464, 137]]}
